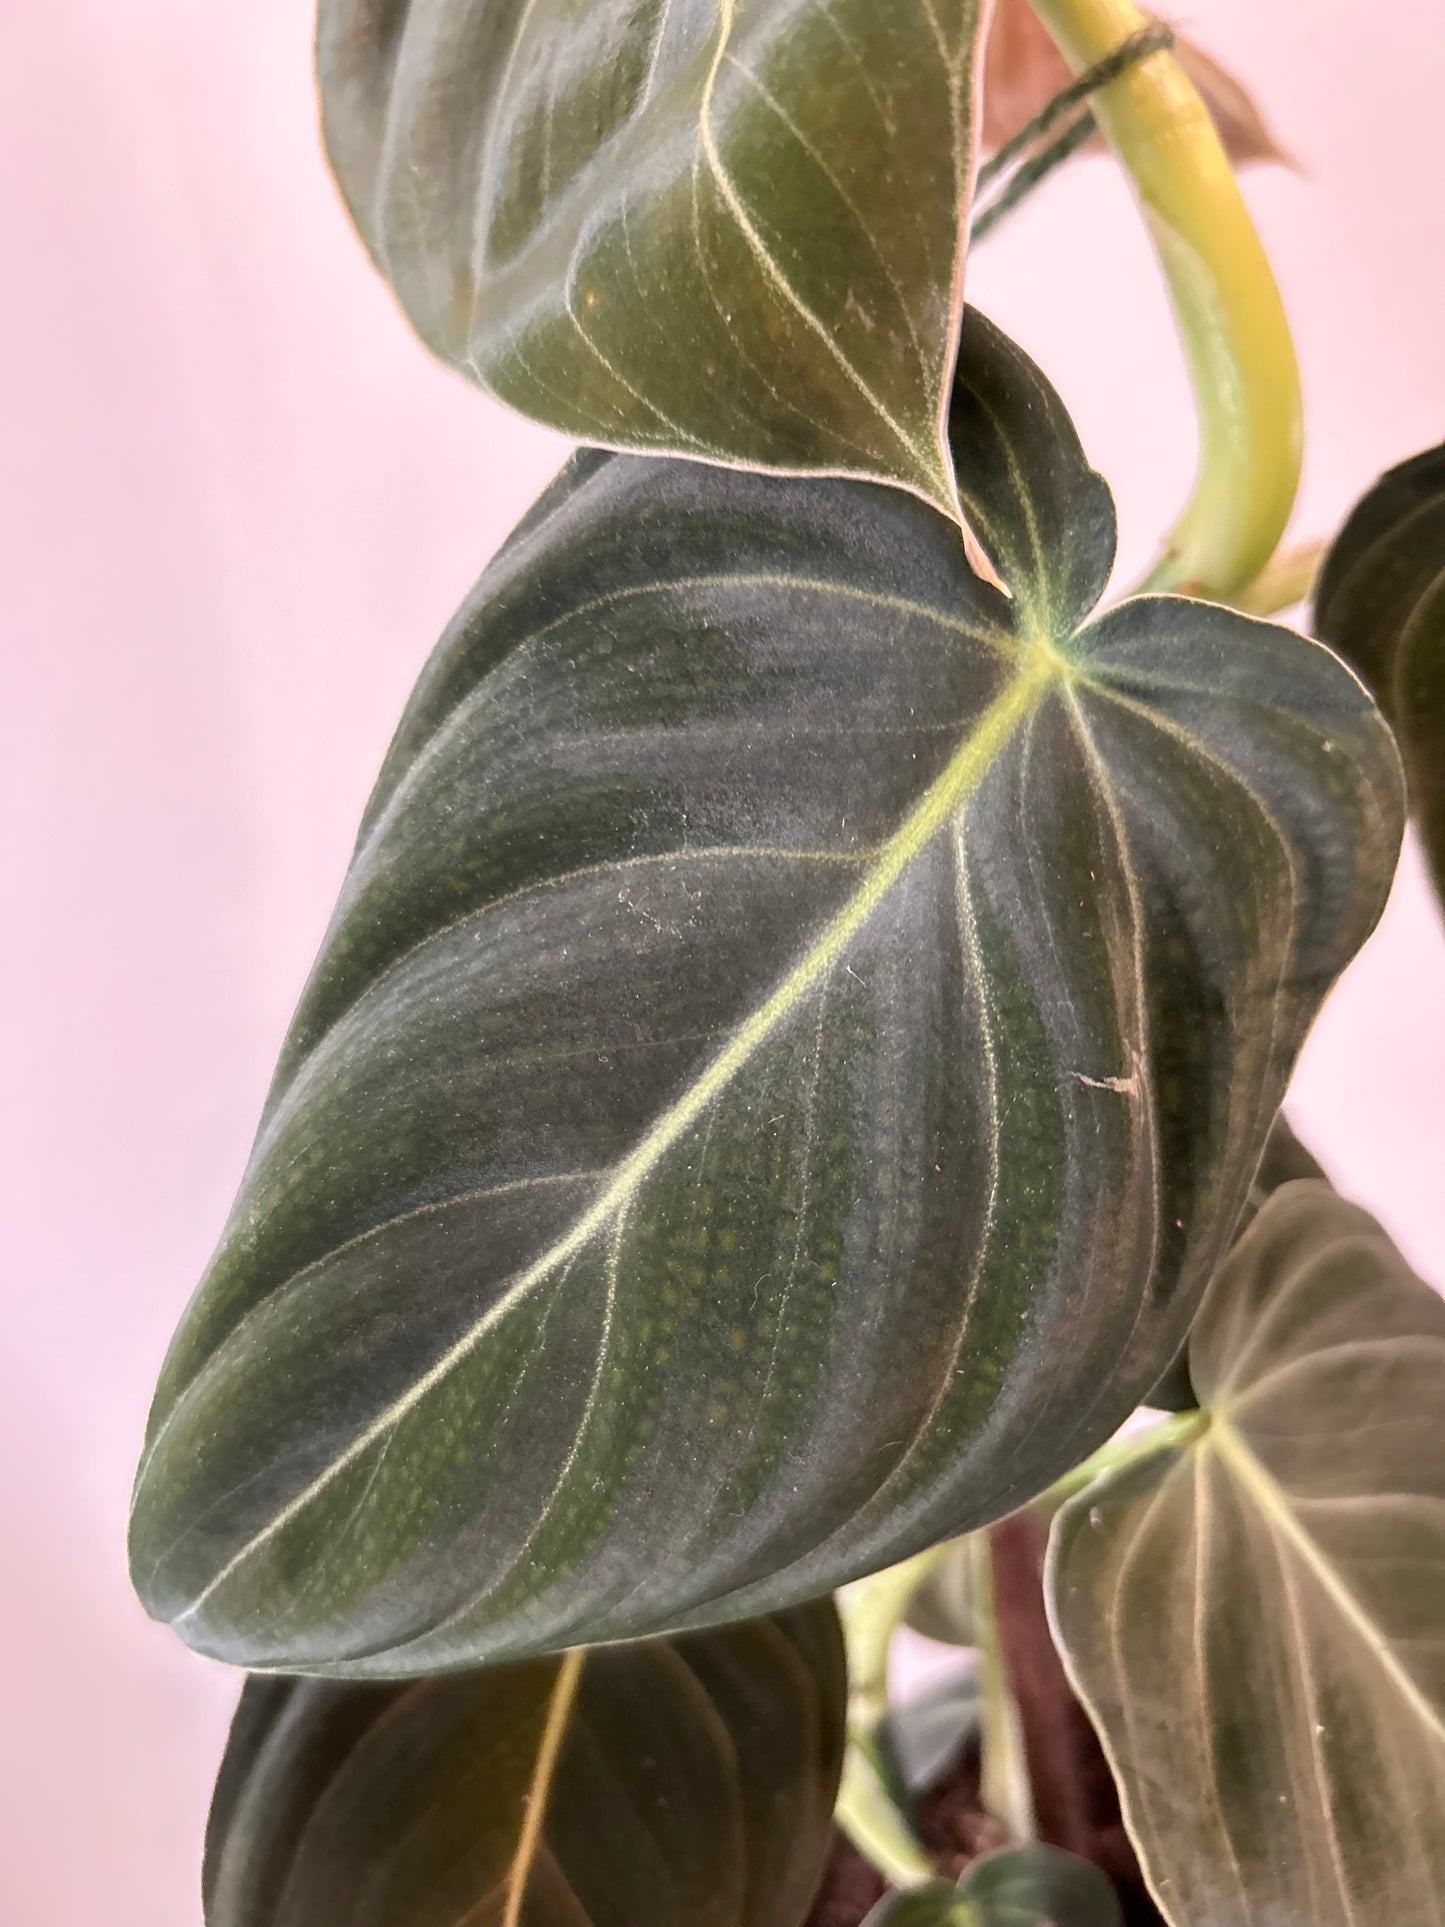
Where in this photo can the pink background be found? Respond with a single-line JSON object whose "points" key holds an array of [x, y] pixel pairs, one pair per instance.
{"points": [[237, 502]]}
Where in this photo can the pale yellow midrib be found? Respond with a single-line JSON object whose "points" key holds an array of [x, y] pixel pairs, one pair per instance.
{"points": [[544, 1771], [1272, 1501], [1039, 666]]}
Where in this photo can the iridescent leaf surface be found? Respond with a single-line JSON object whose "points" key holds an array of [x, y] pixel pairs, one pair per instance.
{"points": [[731, 229], [684, 1783], [1256, 1619], [1380, 601], [796, 1035]]}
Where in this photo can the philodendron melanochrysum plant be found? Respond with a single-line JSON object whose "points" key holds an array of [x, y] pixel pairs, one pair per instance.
{"points": [[797, 1061]]}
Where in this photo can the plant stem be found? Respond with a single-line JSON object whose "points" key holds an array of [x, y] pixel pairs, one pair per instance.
{"points": [[1180, 1428], [871, 1819], [1226, 303], [867, 1810], [870, 1807], [1152, 41], [1024, 161], [1005, 1788], [871, 1610], [1285, 580]]}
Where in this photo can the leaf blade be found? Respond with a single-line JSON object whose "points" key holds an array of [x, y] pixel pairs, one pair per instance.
{"points": [[802, 1334], [1307, 1749], [1024, 1886], [1036, 1885], [1380, 600], [691, 1781], [583, 208]]}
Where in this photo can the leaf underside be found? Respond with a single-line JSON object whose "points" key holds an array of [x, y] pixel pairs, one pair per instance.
{"points": [[730, 229], [1256, 1621], [685, 1783], [795, 1038], [1380, 602]]}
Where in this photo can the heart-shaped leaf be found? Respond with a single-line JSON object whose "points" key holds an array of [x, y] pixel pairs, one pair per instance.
{"points": [[684, 1783], [1028, 1886], [1256, 1618], [796, 1036], [1380, 601], [731, 229]]}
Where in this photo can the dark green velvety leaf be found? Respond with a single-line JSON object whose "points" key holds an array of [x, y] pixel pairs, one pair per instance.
{"points": [[731, 229], [1284, 1158], [1028, 1886], [1174, 1392], [1380, 601], [685, 1783], [1038, 1886], [796, 1035], [1256, 1617]]}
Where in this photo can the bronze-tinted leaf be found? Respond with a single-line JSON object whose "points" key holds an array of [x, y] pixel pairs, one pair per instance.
{"points": [[1256, 1617], [1024, 70], [1380, 601], [730, 229], [796, 1036], [685, 1783], [1247, 136]]}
